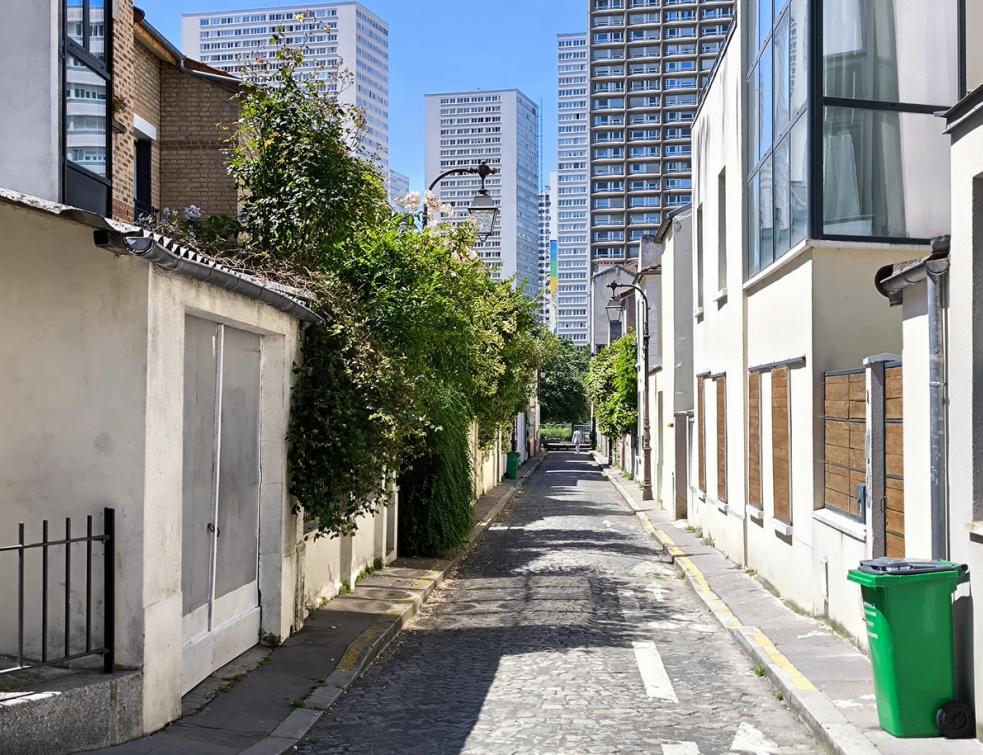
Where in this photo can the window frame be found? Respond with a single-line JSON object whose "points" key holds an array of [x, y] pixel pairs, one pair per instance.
{"points": [[104, 69]]}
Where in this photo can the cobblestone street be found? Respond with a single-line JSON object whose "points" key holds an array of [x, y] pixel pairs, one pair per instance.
{"points": [[563, 631]]}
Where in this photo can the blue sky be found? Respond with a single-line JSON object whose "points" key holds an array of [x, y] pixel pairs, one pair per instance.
{"points": [[440, 46]]}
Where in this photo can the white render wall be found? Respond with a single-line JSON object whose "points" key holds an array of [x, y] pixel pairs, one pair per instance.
{"points": [[91, 375], [965, 417], [30, 155]]}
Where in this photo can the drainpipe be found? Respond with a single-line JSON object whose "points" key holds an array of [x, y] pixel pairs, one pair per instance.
{"points": [[937, 273]]}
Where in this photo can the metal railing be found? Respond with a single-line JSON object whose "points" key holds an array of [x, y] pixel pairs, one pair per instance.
{"points": [[107, 538]]}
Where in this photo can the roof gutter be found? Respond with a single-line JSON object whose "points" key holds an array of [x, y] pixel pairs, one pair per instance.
{"points": [[141, 18], [202, 269], [891, 282]]}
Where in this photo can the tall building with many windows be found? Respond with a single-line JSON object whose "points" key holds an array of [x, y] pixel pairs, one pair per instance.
{"points": [[343, 37], [499, 127], [572, 213], [649, 59], [545, 295]]}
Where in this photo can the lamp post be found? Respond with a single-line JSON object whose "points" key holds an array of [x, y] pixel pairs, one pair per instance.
{"points": [[613, 308], [483, 208]]}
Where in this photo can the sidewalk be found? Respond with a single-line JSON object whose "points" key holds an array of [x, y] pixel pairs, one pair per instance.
{"points": [[265, 700], [823, 677]]}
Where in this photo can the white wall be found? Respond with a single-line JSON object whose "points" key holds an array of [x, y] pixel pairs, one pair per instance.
{"points": [[965, 417], [30, 129]]}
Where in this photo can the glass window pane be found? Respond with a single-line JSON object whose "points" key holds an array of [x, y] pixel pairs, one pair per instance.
{"points": [[764, 102], [799, 180], [766, 224], [781, 75], [754, 115], [86, 116], [891, 50], [754, 238], [798, 45], [73, 21], [97, 28], [764, 21], [884, 174], [783, 220]]}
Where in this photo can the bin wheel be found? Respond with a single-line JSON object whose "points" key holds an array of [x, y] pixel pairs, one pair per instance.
{"points": [[955, 720]]}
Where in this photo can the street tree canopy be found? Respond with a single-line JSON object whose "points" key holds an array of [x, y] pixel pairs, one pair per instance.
{"points": [[562, 390], [612, 387]]}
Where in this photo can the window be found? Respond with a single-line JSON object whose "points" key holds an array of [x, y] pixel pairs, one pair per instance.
{"points": [[720, 386], [845, 428], [722, 230], [781, 448], [699, 258], [754, 440], [87, 137], [701, 400], [142, 164]]}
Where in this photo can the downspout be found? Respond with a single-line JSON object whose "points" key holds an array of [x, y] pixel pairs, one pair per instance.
{"points": [[937, 277]]}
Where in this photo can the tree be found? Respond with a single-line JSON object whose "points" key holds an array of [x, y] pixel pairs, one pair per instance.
{"points": [[562, 390], [612, 387]]}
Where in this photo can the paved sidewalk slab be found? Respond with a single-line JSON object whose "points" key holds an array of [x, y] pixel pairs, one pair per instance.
{"points": [[264, 701], [825, 678]]}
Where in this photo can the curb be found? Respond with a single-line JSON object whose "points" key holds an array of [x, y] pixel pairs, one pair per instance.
{"points": [[369, 644], [824, 720]]}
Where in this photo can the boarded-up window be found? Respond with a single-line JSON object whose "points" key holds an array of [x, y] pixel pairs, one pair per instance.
{"points": [[701, 432], [894, 462], [845, 425], [754, 440], [720, 383], [781, 446]]}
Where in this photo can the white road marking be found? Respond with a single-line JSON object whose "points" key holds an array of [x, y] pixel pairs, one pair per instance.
{"points": [[681, 748], [749, 739], [654, 676]]}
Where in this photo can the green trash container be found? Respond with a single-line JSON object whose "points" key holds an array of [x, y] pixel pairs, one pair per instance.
{"points": [[512, 465], [908, 612]]}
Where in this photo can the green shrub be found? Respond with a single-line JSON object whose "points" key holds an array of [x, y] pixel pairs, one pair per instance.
{"points": [[436, 491], [556, 432]]}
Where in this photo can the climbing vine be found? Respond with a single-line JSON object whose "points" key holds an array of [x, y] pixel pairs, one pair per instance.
{"points": [[612, 387]]}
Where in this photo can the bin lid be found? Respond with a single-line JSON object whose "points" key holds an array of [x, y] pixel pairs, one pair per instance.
{"points": [[885, 565]]}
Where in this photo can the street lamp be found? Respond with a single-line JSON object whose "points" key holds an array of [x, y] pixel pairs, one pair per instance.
{"points": [[613, 308], [483, 208]]}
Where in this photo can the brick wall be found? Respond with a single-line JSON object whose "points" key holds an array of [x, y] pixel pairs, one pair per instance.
{"points": [[124, 83], [146, 104], [194, 117]]}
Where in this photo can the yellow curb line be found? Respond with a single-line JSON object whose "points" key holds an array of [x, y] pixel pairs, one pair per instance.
{"points": [[714, 601]]}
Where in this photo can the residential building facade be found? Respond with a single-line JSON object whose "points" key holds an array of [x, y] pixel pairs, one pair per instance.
{"points": [[397, 187], [572, 213], [649, 59], [546, 295], [348, 47], [813, 169], [499, 127]]}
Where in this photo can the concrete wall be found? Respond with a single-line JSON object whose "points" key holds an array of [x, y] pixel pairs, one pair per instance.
{"points": [[91, 375], [73, 377], [30, 132]]}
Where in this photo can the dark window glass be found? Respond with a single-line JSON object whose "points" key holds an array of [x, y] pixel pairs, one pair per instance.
{"points": [[764, 103], [884, 173], [798, 47], [86, 115], [754, 227], [763, 24], [799, 180], [891, 50], [783, 220], [780, 46], [765, 214]]}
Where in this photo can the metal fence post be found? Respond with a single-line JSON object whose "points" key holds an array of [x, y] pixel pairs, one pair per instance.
{"points": [[109, 589]]}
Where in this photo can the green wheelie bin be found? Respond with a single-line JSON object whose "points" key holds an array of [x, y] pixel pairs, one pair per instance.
{"points": [[908, 612], [512, 465]]}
